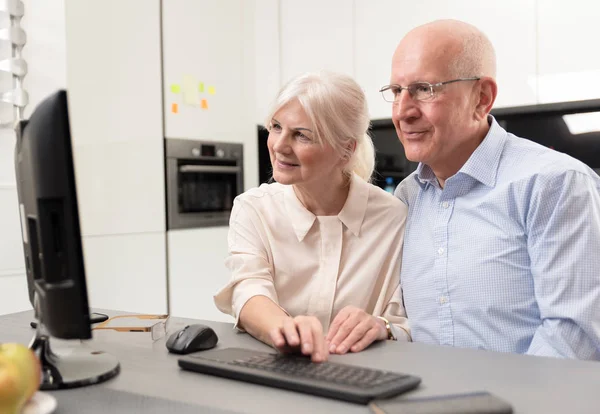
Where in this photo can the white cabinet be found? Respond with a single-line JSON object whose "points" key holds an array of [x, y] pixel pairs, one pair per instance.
{"points": [[315, 35], [114, 88], [115, 108], [197, 271], [569, 62], [208, 74], [509, 24], [202, 63], [127, 272], [267, 80]]}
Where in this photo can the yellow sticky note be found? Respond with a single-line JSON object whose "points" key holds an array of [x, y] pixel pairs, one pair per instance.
{"points": [[175, 88], [190, 96], [204, 104], [201, 87], [174, 108], [211, 90]]}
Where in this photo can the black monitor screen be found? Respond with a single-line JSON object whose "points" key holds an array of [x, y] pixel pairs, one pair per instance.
{"points": [[52, 247], [50, 220]]}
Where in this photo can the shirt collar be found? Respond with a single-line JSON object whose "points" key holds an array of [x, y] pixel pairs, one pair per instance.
{"points": [[482, 165], [351, 215]]}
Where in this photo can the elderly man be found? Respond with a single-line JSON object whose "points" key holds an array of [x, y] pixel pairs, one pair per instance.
{"points": [[502, 245]]}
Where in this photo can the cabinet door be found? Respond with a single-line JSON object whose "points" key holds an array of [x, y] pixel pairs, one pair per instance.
{"points": [[315, 35], [510, 26], [203, 69], [115, 107], [197, 271], [127, 272], [569, 62]]}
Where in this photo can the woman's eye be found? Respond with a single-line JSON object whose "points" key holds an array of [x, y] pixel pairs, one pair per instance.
{"points": [[303, 137], [276, 127]]}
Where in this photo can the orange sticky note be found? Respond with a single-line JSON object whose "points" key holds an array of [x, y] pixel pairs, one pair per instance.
{"points": [[204, 104], [174, 108]]}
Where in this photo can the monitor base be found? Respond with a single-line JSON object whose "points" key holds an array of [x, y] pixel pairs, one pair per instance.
{"points": [[77, 366]]}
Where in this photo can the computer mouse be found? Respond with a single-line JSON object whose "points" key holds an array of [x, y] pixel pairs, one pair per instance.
{"points": [[192, 338]]}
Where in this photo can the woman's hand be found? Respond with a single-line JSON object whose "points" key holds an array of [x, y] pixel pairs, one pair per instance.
{"points": [[353, 330], [303, 334]]}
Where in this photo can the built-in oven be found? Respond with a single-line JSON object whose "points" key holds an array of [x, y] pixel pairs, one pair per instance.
{"points": [[203, 178]]}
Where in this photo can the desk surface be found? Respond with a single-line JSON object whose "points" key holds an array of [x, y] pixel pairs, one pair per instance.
{"points": [[151, 380]]}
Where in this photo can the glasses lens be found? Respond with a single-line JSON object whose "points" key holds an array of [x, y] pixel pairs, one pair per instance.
{"points": [[158, 330], [420, 91], [389, 95]]}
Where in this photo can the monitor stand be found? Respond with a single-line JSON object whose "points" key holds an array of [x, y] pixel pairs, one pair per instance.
{"points": [[72, 367]]}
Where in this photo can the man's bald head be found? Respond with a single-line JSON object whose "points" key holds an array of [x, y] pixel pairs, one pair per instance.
{"points": [[461, 47]]}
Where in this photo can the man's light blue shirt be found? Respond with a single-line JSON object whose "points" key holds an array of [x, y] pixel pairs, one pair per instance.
{"points": [[505, 257]]}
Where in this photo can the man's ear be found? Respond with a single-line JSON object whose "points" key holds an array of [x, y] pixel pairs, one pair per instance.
{"points": [[488, 90]]}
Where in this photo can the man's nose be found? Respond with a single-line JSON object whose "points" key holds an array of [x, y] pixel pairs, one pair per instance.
{"points": [[404, 107]]}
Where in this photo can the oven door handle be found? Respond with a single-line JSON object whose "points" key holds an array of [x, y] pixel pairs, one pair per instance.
{"points": [[209, 169]]}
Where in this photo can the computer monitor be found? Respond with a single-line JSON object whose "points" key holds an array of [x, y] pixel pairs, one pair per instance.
{"points": [[52, 248]]}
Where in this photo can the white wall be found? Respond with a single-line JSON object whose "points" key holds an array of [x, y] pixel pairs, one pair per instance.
{"points": [[542, 47], [44, 52], [545, 54]]}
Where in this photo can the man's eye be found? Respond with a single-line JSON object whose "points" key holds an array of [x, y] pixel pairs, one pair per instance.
{"points": [[421, 88]]}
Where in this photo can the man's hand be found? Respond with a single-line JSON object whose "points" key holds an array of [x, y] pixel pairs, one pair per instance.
{"points": [[302, 334], [353, 330]]}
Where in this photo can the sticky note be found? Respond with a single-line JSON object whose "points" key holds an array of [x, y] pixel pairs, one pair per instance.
{"points": [[175, 88], [211, 90], [204, 104], [174, 108], [190, 96], [201, 87]]}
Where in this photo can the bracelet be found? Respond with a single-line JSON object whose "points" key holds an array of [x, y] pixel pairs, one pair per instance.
{"points": [[388, 327]]}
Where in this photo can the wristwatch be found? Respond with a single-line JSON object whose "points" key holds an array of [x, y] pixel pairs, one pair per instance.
{"points": [[388, 327]]}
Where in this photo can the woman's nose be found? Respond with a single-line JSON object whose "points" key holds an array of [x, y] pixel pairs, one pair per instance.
{"points": [[281, 142]]}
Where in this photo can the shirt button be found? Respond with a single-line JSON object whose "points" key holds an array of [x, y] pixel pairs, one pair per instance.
{"points": [[445, 204], [441, 251], [443, 299]]}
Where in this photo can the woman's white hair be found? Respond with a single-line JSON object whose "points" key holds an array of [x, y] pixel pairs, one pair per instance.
{"points": [[337, 108]]}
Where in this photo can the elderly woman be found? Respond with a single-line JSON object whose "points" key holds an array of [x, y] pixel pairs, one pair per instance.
{"points": [[315, 256]]}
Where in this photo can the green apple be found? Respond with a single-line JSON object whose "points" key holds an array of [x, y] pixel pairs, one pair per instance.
{"points": [[20, 375]]}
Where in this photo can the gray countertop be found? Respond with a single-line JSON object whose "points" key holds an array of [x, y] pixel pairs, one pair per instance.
{"points": [[151, 381]]}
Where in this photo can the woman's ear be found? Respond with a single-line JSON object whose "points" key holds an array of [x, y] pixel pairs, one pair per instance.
{"points": [[488, 90], [350, 149]]}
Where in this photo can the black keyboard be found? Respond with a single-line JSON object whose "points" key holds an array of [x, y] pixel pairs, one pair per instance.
{"points": [[298, 373]]}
